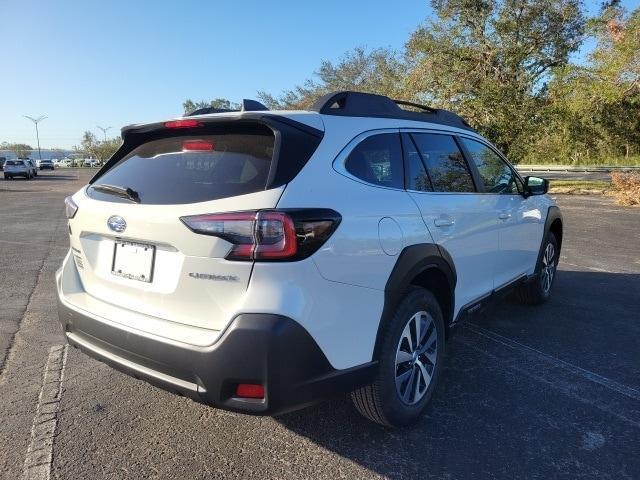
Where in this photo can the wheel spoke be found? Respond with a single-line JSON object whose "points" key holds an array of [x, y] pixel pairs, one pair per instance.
{"points": [[426, 376], [417, 394], [431, 355], [408, 388], [400, 379], [403, 357], [417, 322], [430, 341], [406, 334]]}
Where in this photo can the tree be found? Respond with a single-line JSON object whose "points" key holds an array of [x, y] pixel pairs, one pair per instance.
{"points": [[595, 105], [490, 61], [101, 150], [20, 149], [378, 71], [222, 103]]}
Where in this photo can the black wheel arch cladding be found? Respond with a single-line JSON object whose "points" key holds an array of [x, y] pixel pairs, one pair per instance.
{"points": [[553, 223], [415, 261]]}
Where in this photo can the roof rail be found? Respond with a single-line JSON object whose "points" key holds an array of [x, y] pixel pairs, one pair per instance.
{"points": [[359, 104], [246, 106]]}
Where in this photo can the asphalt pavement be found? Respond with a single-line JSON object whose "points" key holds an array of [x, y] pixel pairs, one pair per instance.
{"points": [[528, 392]]}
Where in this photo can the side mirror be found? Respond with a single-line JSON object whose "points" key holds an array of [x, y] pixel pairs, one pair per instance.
{"points": [[535, 186]]}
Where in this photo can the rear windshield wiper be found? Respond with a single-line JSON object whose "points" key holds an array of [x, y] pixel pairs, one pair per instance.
{"points": [[124, 192]]}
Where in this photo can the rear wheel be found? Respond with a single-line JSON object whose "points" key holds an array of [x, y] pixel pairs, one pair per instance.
{"points": [[538, 290], [410, 360]]}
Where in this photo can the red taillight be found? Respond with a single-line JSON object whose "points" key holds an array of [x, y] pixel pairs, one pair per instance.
{"points": [[197, 146], [183, 124], [267, 234], [249, 390]]}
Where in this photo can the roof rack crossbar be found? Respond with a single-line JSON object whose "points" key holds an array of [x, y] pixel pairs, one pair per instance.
{"points": [[416, 105]]}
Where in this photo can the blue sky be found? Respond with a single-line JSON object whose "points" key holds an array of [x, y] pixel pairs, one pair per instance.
{"points": [[112, 63]]}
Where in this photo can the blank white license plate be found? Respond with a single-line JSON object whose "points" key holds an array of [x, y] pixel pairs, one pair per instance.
{"points": [[133, 260]]}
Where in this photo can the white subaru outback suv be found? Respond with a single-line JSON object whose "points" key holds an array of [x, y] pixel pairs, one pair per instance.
{"points": [[260, 261]]}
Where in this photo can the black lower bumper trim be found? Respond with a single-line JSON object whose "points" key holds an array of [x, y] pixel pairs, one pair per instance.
{"points": [[271, 350]]}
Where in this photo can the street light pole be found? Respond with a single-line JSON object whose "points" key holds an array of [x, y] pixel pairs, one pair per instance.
{"points": [[35, 122], [104, 130]]}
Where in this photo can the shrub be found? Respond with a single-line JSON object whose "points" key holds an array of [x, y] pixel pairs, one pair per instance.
{"points": [[626, 188]]}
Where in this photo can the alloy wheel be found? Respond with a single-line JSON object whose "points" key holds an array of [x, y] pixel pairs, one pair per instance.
{"points": [[416, 357], [548, 267]]}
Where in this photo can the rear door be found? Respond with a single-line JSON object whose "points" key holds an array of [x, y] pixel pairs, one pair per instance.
{"points": [[459, 219], [131, 247]]}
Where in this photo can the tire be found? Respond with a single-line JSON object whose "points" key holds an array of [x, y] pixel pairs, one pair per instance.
{"points": [[538, 290], [394, 406]]}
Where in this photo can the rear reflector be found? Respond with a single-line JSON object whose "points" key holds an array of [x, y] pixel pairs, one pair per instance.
{"points": [[268, 235], [197, 146], [183, 124], [249, 390]]}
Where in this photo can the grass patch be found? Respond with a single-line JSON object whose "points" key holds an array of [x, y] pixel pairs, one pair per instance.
{"points": [[582, 184], [580, 187]]}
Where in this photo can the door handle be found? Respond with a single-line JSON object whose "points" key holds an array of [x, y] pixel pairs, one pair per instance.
{"points": [[444, 222], [504, 216]]}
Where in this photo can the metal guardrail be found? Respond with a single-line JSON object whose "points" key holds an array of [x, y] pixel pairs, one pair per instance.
{"points": [[571, 168]]}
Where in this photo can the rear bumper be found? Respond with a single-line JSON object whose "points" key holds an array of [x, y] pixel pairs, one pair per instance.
{"points": [[266, 349]]}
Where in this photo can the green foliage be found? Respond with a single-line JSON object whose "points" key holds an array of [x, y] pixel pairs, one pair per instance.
{"points": [[20, 149], [101, 150], [490, 61], [594, 109], [379, 71], [222, 103]]}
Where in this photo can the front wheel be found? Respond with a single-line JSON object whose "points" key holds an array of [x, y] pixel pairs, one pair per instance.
{"points": [[538, 289], [410, 361]]}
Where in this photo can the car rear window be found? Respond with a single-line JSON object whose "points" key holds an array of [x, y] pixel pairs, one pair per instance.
{"points": [[15, 162], [193, 168]]}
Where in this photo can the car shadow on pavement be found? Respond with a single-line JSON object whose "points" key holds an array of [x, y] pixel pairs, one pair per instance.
{"points": [[494, 414], [56, 177]]}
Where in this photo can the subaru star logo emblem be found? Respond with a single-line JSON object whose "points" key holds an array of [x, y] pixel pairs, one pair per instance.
{"points": [[117, 223]]}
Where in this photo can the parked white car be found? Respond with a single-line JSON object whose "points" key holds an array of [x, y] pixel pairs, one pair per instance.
{"points": [[18, 168], [261, 261], [90, 162]]}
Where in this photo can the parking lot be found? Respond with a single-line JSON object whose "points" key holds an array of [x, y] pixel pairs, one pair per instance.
{"points": [[528, 392]]}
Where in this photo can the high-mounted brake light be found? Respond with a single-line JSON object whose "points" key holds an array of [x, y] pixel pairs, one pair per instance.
{"points": [[197, 146], [268, 235], [191, 123], [70, 208]]}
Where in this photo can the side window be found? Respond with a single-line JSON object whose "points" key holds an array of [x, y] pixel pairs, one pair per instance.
{"points": [[417, 177], [447, 168], [378, 160], [496, 175]]}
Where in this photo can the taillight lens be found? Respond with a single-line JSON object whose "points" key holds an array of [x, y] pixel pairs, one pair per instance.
{"points": [[70, 207], [268, 235]]}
